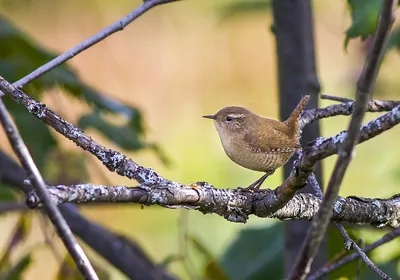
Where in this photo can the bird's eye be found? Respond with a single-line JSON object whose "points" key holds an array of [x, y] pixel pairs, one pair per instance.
{"points": [[229, 118]]}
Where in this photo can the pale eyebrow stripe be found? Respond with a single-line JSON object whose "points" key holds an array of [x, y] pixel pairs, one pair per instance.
{"points": [[236, 115]]}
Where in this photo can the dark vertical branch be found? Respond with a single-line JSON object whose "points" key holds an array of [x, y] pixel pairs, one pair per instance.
{"points": [[293, 27], [365, 85]]}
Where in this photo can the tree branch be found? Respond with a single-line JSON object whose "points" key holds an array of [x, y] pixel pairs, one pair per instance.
{"points": [[147, 177], [345, 109], [325, 270], [61, 226], [125, 254], [365, 86], [234, 205], [348, 242]]}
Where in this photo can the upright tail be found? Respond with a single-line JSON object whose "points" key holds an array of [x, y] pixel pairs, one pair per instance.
{"points": [[293, 120]]}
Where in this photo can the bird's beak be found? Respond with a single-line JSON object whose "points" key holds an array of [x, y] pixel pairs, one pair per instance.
{"points": [[210, 117]]}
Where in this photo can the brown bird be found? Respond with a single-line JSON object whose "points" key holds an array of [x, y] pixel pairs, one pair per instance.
{"points": [[257, 143]]}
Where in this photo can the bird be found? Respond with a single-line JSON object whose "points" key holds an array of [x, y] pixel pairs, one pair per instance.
{"points": [[258, 143]]}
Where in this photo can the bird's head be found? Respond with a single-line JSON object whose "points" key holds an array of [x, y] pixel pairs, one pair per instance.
{"points": [[231, 119]]}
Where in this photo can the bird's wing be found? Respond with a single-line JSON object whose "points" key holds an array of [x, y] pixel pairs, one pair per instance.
{"points": [[275, 141]]}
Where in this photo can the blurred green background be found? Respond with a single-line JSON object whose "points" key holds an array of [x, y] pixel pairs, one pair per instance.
{"points": [[176, 63]]}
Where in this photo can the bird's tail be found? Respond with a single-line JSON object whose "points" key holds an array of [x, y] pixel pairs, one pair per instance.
{"points": [[293, 120]]}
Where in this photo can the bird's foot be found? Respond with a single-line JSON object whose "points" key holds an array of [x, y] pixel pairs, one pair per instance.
{"points": [[255, 187]]}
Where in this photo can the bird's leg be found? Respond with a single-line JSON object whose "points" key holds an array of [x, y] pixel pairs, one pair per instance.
{"points": [[257, 184]]}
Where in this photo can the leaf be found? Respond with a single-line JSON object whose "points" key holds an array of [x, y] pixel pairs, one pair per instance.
{"points": [[125, 136], [19, 55], [128, 136], [364, 15], [16, 271], [238, 7], [69, 271], [257, 253], [212, 269], [7, 193]]}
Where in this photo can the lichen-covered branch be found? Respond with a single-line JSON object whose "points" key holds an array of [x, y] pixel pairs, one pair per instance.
{"points": [[322, 148], [345, 109], [147, 177], [234, 205]]}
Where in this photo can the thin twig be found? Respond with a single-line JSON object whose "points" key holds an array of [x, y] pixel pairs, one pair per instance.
{"points": [[349, 243], [360, 261], [51, 209], [344, 109], [336, 98], [117, 26], [365, 86], [325, 270]]}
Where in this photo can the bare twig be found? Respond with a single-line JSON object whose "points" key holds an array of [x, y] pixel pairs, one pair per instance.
{"points": [[325, 270], [117, 26], [336, 98], [81, 261], [364, 88], [360, 261], [344, 109], [349, 243]]}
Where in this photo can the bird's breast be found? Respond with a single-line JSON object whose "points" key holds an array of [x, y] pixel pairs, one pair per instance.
{"points": [[236, 149]]}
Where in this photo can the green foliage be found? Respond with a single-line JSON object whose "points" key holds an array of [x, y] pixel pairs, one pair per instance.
{"points": [[238, 7], [364, 16], [15, 272], [126, 136], [257, 253], [7, 193], [19, 55]]}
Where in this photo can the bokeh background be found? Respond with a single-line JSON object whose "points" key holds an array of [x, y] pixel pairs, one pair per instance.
{"points": [[176, 63]]}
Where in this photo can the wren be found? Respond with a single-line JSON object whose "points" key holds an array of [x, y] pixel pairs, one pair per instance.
{"points": [[258, 143]]}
